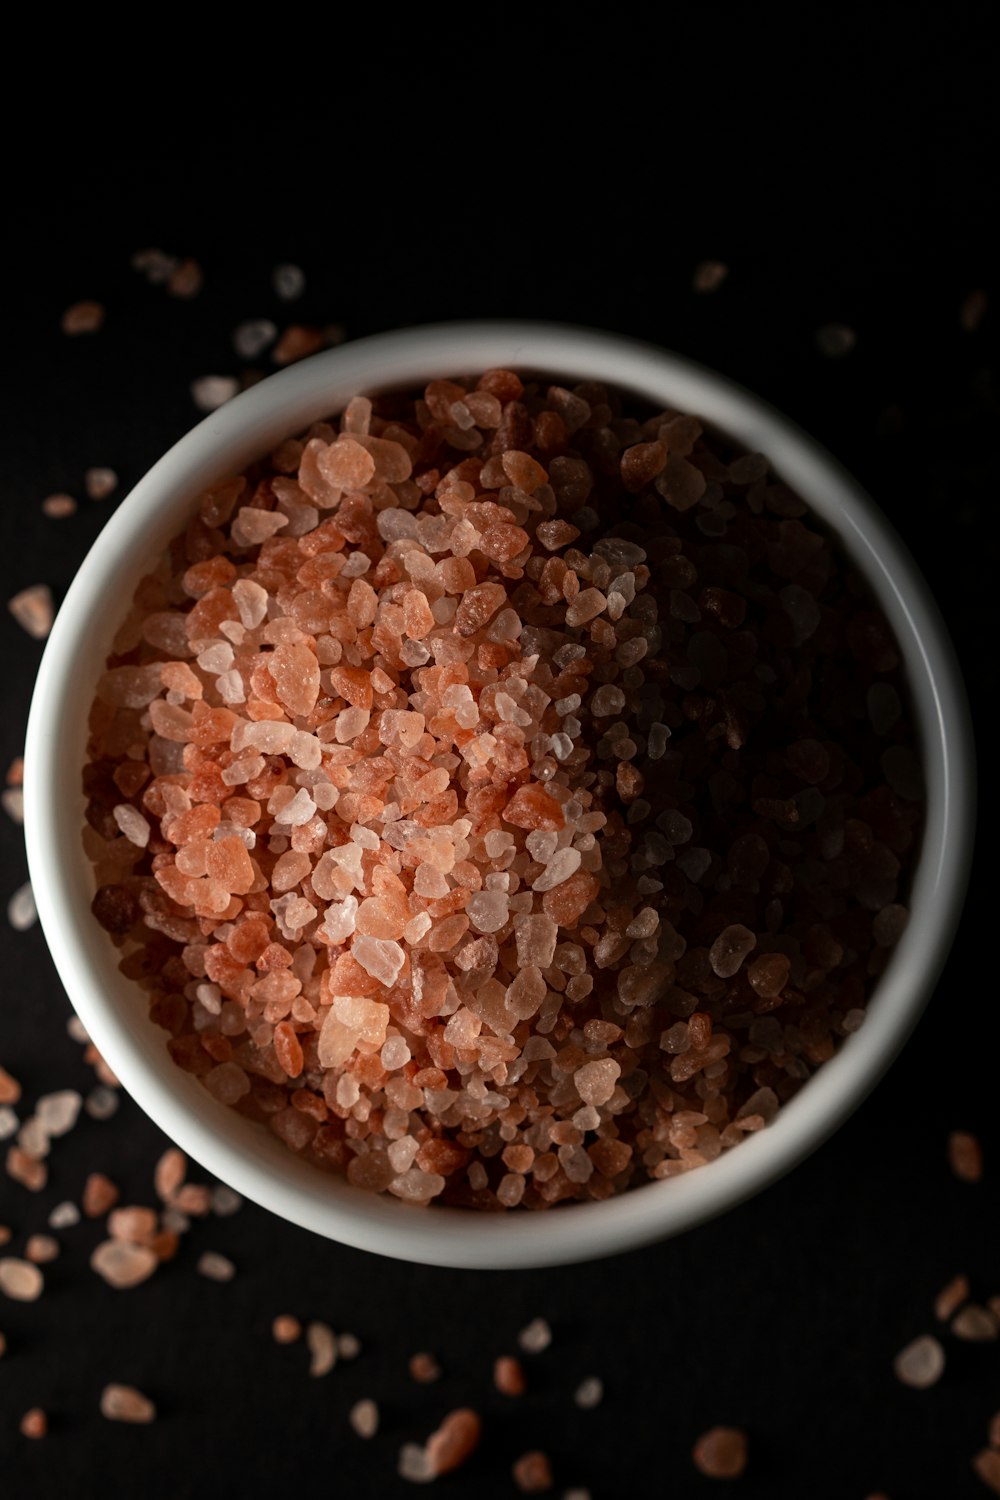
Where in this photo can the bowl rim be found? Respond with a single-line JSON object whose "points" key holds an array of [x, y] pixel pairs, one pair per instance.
{"points": [[286, 402]]}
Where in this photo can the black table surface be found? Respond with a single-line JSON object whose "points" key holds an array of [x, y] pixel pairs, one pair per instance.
{"points": [[861, 195]]}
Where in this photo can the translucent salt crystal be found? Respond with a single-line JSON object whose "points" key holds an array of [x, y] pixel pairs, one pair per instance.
{"points": [[230, 687], [536, 940], [587, 605], [487, 910], [401, 1154], [33, 1138], [379, 957], [298, 811], [721, 1453], [595, 1081], [418, 928], [225, 1201], [340, 920], [289, 282], [730, 948], [607, 700], [416, 1186], [8, 1122], [252, 337], [12, 801], [589, 1393], [322, 1345], [20, 1280], [350, 723], [563, 864], [34, 610], [348, 1091], [123, 1265], [975, 1324], [123, 1403], [363, 1417], [251, 600], [132, 824], [395, 1053], [305, 751], [348, 1346], [58, 1112], [216, 658], [64, 1216], [536, 1337], [214, 1266], [921, 1363], [21, 910], [414, 1464], [270, 736], [209, 392], [99, 483], [252, 526]]}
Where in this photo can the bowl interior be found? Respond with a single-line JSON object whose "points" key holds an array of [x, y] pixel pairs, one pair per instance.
{"points": [[114, 1011]]}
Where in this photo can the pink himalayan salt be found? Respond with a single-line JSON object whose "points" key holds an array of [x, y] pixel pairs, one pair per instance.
{"points": [[721, 1453], [921, 1363], [83, 317], [951, 1297], [34, 610], [123, 1265], [20, 1280], [595, 1082], [451, 1444], [364, 1418], [99, 483], [123, 1403], [322, 1346], [34, 1424], [532, 1472], [965, 1156], [286, 1329], [58, 506]]}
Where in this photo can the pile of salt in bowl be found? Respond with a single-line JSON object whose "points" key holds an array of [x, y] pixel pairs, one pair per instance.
{"points": [[503, 793]]}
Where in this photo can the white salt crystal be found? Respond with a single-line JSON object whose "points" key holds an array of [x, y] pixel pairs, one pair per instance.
{"points": [[536, 1337], [252, 337], [132, 824], [363, 1417], [21, 910], [209, 392], [57, 1113], [215, 1267], [64, 1216], [379, 957]]}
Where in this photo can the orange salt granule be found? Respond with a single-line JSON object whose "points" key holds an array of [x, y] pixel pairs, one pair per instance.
{"points": [[504, 794]]}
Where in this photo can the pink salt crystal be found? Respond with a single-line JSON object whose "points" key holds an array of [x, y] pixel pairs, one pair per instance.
{"points": [[22, 912], [478, 605], [721, 1453], [709, 275], [589, 1393], [123, 1403], [57, 1112], [123, 1265], [214, 1266], [322, 1346], [536, 1337], [185, 279], [453, 1442], [347, 465], [10, 1089], [34, 1424], [99, 1195], [595, 1081], [286, 1329], [363, 1417], [532, 1473], [587, 605], [132, 824], [487, 910], [12, 801], [209, 392], [730, 949], [965, 1156], [951, 1297], [424, 1368], [171, 1170], [536, 940], [921, 1363], [34, 610], [382, 959], [83, 317], [563, 864], [348, 1346], [58, 506], [986, 1465], [289, 282], [252, 527], [20, 1280], [975, 1324], [251, 601], [99, 483]]}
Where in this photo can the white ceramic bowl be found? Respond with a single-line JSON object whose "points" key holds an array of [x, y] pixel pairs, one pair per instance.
{"points": [[246, 1155]]}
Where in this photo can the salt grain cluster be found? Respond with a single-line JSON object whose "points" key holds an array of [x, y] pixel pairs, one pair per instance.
{"points": [[489, 790]]}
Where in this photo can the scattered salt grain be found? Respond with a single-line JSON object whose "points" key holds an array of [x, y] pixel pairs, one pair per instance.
{"points": [[363, 1417], [289, 282], [41, 1248], [123, 1403], [225, 1201], [34, 610], [921, 1363], [209, 392], [99, 1195], [10, 1089], [8, 1122], [987, 1466], [965, 1156], [975, 1324], [348, 1346], [58, 506], [215, 1267], [535, 1337], [709, 275], [22, 912], [252, 337], [589, 1393], [721, 1453], [58, 1112], [34, 1423], [508, 1376], [101, 1103], [123, 1265], [20, 1280], [532, 1472], [83, 317], [99, 483], [286, 1329], [322, 1346], [453, 1442], [424, 1368], [64, 1216]]}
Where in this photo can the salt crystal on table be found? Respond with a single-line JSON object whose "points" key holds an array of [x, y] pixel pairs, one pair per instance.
{"points": [[453, 1442], [123, 1265], [101, 1103], [225, 1201], [363, 1417], [123, 1403], [34, 1423], [286, 1329], [709, 275], [34, 610], [215, 1267], [289, 282], [252, 337], [20, 1280], [22, 912], [83, 317], [209, 392], [536, 1337], [589, 1393], [424, 1368], [58, 506], [348, 1346], [58, 1112], [8, 1122], [64, 1216], [41, 1248], [965, 1156], [99, 483], [322, 1346], [132, 824], [921, 1363], [532, 1472], [721, 1453], [975, 1324]]}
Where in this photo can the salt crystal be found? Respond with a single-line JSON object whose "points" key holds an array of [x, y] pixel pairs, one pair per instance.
{"points": [[535, 1337], [21, 910], [34, 1424], [348, 1346], [721, 1453], [363, 1417], [209, 392], [132, 824], [123, 1403], [123, 1265], [99, 483], [965, 1156], [835, 340], [225, 1201], [20, 1280], [12, 799], [532, 1472], [322, 1346], [289, 282], [83, 317], [215, 1267], [41, 1249], [64, 1216], [251, 338], [589, 1393], [975, 1324], [595, 1081], [488, 911], [563, 864], [379, 957], [58, 1112], [58, 506], [951, 1297], [921, 1363], [34, 610], [286, 1329], [8, 1122]]}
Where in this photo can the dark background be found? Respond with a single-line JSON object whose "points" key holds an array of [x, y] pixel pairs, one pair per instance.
{"points": [[579, 172]]}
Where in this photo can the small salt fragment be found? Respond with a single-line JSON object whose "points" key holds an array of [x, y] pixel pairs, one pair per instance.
{"points": [[8, 1122], [973, 310], [99, 483], [535, 1337], [363, 1417], [453, 1442], [975, 1324], [252, 337], [721, 1453], [951, 1297], [225, 1201], [286, 1329], [532, 1472], [322, 1345], [58, 1112], [21, 910], [10, 1089], [589, 1393], [921, 1363], [986, 1465], [123, 1403], [835, 340], [209, 392], [34, 1424], [64, 1216], [215, 1267], [348, 1346], [289, 282], [34, 610], [965, 1156], [123, 1265], [101, 1103], [99, 1195], [424, 1368], [58, 506], [414, 1464], [709, 275], [185, 279], [508, 1376], [83, 317], [41, 1248], [20, 1280]]}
